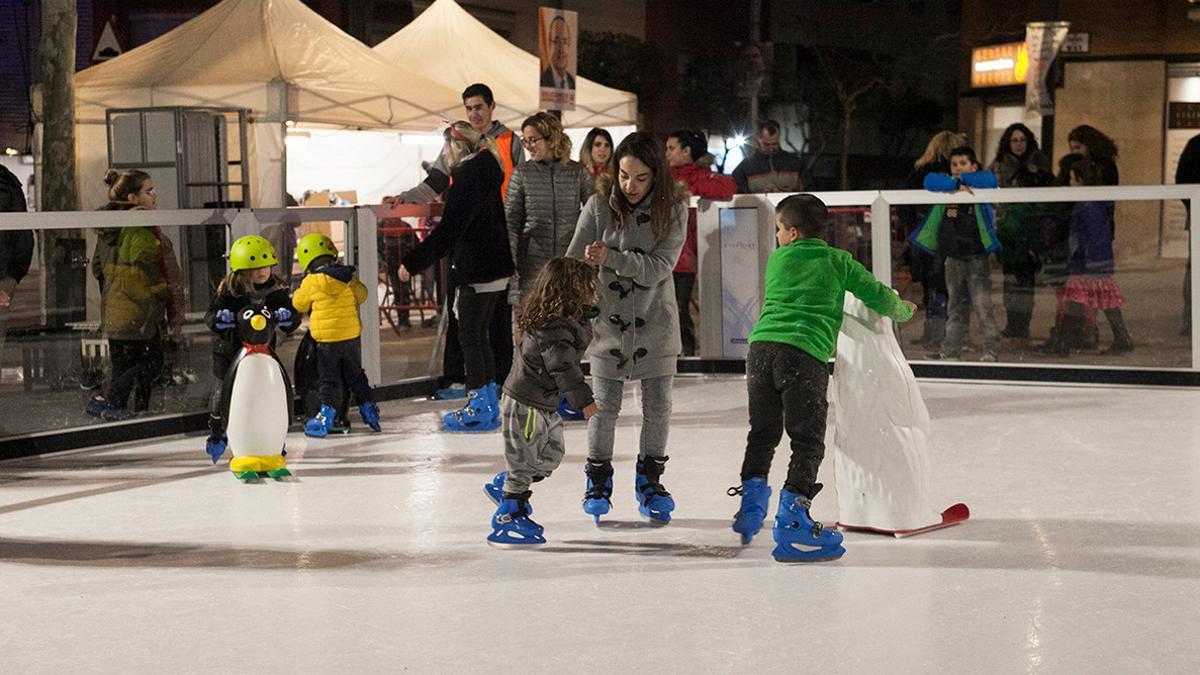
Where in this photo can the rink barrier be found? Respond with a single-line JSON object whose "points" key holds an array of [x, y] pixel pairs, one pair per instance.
{"points": [[716, 284], [362, 222], [28, 445]]}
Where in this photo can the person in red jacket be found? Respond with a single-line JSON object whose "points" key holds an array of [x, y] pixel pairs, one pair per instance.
{"points": [[691, 164]]}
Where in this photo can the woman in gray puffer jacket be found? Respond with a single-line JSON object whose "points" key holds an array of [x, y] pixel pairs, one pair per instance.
{"points": [[545, 195], [633, 233]]}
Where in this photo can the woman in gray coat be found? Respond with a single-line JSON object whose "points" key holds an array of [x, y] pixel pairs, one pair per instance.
{"points": [[633, 233], [545, 195]]}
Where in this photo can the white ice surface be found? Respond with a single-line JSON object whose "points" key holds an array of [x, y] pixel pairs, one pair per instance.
{"points": [[1082, 554]]}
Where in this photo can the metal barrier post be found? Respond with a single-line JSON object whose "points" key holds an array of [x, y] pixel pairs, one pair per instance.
{"points": [[367, 258], [881, 239]]}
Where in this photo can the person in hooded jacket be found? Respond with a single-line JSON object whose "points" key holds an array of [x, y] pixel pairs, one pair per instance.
{"points": [[332, 293]]}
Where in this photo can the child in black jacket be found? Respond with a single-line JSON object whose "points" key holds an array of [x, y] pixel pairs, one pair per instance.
{"points": [[249, 282]]}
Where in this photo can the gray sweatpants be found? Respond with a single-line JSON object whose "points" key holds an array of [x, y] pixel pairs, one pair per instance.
{"points": [[533, 443], [656, 416]]}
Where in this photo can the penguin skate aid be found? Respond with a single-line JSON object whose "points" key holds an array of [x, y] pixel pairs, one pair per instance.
{"points": [[250, 303], [331, 294], [787, 376], [557, 328]]}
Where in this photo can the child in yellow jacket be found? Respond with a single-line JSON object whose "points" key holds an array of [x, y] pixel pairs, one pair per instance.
{"points": [[332, 294]]}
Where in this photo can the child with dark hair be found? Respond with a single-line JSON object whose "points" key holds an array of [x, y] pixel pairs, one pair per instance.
{"points": [[787, 374], [556, 330], [1090, 283], [965, 234]]}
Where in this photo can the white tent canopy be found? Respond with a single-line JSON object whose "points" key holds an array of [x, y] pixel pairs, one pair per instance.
{"points": [[276, 58], [447, 44]]}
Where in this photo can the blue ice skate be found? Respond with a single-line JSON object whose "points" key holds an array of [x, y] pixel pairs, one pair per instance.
{"points": [[798, 537], [756, 498], [565, 410], [479, 414], [511, 525], [320, 425], [370, 414], [654, 502], [215, 447], [495, 492], [597, 499]]}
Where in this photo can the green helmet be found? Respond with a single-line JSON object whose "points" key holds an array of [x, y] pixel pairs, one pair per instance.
{"points": [[312, 246], [251, 252]]}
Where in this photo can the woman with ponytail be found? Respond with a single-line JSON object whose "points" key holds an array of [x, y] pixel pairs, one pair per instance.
{"points": [[474, 233]]}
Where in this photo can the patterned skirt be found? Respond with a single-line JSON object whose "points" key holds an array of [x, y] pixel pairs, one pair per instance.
{"points": [[1094, 292]]}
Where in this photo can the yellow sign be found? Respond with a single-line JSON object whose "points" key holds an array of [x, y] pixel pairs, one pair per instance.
{"points": [[999, 65]]}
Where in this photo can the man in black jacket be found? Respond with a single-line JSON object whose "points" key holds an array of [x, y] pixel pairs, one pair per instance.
{"points": [[16, 247]]}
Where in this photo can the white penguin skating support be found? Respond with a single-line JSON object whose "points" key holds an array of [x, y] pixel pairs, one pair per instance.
{"points": [[881, 432]]}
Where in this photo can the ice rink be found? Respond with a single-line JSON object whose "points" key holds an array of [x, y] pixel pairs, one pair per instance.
{"points": [[1082, 554]]}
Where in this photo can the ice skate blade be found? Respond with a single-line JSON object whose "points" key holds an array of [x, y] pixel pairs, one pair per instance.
{"points": [[490, 494], [656, 522], [482, 429], [515, 546], [825, 555]]}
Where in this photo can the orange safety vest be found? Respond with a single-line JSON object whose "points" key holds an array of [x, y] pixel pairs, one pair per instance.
{"points": [[504, 142]]}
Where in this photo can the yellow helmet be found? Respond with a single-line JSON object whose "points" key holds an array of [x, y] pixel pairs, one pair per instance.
{"points": [[251, 252], [312, 246]]}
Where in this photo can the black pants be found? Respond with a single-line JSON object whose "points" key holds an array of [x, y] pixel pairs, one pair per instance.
{"points": [[787, 390], [340, 364], [685, 282], [136, 365], [454, 367], [475, 324], [1019, 280]]}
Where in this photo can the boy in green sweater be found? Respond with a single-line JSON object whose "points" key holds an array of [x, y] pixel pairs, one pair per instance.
{"points": [[787, 375]]}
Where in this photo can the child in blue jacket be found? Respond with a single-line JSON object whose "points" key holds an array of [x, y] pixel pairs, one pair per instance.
{"points": [[965, 234]]}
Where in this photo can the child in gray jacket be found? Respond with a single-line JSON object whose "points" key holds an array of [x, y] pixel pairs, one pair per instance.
{"points": [[557, 329]]}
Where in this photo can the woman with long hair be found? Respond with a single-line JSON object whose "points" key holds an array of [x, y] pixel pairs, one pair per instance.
{"points": [[473, 232], [1019, 163], [1095, 145], [1018, 151], [596, 151], [632, 233]]}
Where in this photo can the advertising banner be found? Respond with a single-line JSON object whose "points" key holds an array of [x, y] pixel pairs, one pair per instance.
{"points": [[558, 49], [741, 294], [1042, 40]]}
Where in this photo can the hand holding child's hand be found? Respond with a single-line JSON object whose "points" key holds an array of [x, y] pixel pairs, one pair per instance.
{"points": [[404, 275], [596, 253], [589, 410]]}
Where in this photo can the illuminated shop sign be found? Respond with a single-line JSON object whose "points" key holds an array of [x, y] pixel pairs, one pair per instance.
{"points": [[999, 65]]}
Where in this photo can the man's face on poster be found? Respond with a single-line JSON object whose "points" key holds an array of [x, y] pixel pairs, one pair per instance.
{"points": [[560, 45]]}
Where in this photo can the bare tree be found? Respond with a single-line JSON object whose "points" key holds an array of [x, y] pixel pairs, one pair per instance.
{"points": [[851, 77]]}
